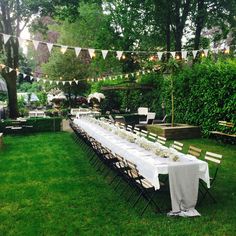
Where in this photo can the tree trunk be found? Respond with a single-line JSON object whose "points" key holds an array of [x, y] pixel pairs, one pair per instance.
{"points": [[201, 14], [12, 94], [168, 37]]}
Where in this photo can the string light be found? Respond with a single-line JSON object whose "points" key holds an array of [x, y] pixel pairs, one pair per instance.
{"points": [[123, 57], [203, 54], [226, 51], [152, 58], [93, 55], [177, 57]]}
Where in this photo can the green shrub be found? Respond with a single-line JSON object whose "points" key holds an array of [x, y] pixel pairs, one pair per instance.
{"points": [[38, 125], [205, 94]]}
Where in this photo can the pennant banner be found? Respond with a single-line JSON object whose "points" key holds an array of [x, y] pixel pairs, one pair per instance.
{"points": [[50, 46], [194, 53], [184, 55], [6, 38], [91, 52], [119, 54], [205, 52], [159, 54], [63, 49], [77, 51], [173, 54], [36, 44], [104, 54]]}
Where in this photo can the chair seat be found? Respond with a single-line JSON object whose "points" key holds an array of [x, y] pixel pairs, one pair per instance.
{"points": [[145, 183]]}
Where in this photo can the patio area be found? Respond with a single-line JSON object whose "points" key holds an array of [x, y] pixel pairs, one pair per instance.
{"points": [[56, 191]]}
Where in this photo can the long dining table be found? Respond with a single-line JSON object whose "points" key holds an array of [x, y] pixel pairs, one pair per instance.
{"points": [[149, 165]]}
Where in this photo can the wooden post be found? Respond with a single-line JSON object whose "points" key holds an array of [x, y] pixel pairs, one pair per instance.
{"points": [[172, 103], [1, 140]]}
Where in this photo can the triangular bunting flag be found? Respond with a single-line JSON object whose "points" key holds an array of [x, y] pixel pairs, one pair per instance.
{"points": [[44, 81], [10, 69], [76, 81], [215, 50], [91, 52], [194, 53], [70, 82], [57, 82], [127, 76], [37, 79], [77, 51], [119, 54], [50, 46], [21, 42], [132, 74], [206, 52], [159, 54], [227, 49], [36, 44], [104, 53], [143, 72], [24, 75], [50, 82], [63, 49], [63, 82], [184, 55], [6, 38], [173, 54], [31, 78]]}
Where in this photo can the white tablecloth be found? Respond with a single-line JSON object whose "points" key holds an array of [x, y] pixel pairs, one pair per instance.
{"points": [[149, 165]]}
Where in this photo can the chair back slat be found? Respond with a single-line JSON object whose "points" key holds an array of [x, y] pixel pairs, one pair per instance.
{"points": [[225, 123], [129, 128], [194, 151], [212, 154], [136, 130], [152, 137], [213, 157], [144, 133], [161, 140], [177, 145]]}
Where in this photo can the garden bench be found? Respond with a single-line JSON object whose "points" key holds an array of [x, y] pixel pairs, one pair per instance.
{"points": [[227, 127], [1, 140]]}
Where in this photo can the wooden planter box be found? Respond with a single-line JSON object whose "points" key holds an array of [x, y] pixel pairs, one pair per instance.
{"points": [[179, 131]]}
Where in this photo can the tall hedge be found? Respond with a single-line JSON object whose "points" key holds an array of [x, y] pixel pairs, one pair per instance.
{"points": [[205, 94]]}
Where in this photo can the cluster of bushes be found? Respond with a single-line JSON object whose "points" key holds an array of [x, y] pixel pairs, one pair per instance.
{"points": [[203, 94], [36, 125]]}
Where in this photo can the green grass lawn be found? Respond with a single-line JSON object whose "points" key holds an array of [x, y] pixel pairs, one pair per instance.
{"points": [[48, 187]]}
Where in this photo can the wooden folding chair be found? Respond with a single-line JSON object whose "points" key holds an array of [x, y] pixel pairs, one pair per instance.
{"points": [[215, 159], [178, 146], [145, 188], [194, 151]]}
